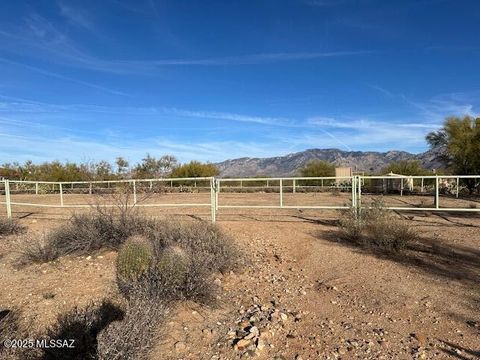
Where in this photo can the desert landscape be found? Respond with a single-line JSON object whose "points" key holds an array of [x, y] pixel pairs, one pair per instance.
{"points": [[231, 180], [308, 293]]}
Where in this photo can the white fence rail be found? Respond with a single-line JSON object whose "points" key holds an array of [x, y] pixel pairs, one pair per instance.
{"points": [[360, 189]]}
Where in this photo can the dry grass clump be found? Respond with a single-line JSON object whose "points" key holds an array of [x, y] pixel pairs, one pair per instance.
{"points": [[10, 227], [83, 234], [376, 227]]}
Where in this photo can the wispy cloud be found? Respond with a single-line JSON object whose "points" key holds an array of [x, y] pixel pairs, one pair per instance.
{"points": [[435, 109], [63, 77], [75, 15], [42, 39], [231, 117]]}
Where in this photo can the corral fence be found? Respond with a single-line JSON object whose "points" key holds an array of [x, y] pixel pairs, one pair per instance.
{"points": [[448, 193]]}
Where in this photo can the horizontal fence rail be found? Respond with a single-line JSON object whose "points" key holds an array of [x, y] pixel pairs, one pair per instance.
{"points": [[357, 192]]}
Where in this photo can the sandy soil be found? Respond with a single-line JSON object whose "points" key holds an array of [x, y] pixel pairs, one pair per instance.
{"points": [[339, 301]]}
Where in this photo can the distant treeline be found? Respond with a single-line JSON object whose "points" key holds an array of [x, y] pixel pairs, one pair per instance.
{"points": [[148, 167]]}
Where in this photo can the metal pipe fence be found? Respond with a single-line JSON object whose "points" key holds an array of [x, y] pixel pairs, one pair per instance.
{"points": [[445, 191]]}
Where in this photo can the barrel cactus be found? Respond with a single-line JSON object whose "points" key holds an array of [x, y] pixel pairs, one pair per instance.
{"points": [[134, 259], [172, 267]]}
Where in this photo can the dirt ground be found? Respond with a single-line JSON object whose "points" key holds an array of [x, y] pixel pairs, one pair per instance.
{"points": [[335, 301]]}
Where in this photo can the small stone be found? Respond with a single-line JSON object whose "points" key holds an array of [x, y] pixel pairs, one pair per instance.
{"points": [[260, 344], [283, 316], [254, 330], [242, 344], [88, 257], [421, 338], [342, 350], [207, 332], [217, 282], [180, 346]]}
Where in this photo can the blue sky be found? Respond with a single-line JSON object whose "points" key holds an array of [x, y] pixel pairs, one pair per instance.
{"points": [[211, 80]]}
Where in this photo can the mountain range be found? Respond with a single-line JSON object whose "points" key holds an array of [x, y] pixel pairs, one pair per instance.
{"points": [[289, 165]]}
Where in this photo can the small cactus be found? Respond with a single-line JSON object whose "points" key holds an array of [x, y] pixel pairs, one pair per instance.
{"points": [[134, 258], [173, 265]]}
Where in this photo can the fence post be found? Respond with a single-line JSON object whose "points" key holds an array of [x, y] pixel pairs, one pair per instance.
{"points": [[8, 202], [36, 188], [212, 199], [90, 188], [294, 185], [422, 189], [354, 192], [437, 193], [281, 193], [458, 185], [134, 193], [217, 192], [401, 187], [61, 194], [359, 200]]}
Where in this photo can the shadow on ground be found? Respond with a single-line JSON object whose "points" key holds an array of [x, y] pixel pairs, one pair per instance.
{"points": [[460, 352], [430, 255]]}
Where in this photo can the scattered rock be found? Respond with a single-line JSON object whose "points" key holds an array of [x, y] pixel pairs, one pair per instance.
{"points": [[180, 346]]}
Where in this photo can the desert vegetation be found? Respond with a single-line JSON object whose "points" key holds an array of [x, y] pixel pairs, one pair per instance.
{"points": [[148, 167], [159, 262], [10, 227], [376, 227]]}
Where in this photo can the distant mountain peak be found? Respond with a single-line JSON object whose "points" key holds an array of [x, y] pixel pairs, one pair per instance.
{"points": [[290, 164]]}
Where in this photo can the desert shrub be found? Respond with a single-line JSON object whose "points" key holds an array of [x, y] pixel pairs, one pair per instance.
{"points": [[10, 227], [9, 329], [37, 251], [134, 336], [84, 233], [377, 227], [201, 239], [12, 328], [185, 256], [82, 325]]}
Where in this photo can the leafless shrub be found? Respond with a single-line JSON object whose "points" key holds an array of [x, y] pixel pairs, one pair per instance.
{"points": [[10, 227], [134, 336], [202, 239], [37, 251], [81, 325], [11, 328], [377, 227], [103, 227]]}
